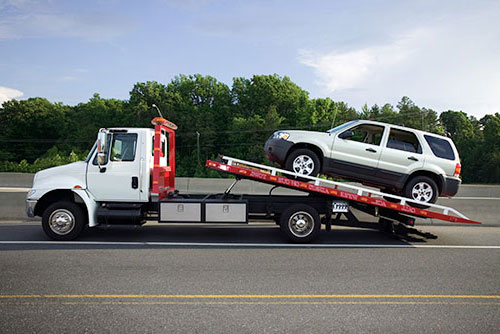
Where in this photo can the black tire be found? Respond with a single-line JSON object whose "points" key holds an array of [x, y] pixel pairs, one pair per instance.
{"points": [[421, 188], [307, 217], [72, 221], [310, 166]]}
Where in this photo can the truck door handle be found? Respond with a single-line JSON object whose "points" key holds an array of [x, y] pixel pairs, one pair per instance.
{"points": [[412, 158], [135, 182], [371, 150]]}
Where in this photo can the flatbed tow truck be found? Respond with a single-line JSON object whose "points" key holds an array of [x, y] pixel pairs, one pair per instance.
{"points": [[129, 178]]}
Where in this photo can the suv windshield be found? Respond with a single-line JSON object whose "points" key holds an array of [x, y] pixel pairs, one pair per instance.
{"points": [[341, 126]]}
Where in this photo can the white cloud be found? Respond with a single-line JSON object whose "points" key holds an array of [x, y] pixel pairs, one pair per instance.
{"points": [[9, 94], [452, 63], [68, 78], [356, 69]]}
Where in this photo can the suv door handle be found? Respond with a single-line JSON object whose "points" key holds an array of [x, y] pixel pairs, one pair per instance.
{"points": [[371, 150], [135, 182], [412, 158]]}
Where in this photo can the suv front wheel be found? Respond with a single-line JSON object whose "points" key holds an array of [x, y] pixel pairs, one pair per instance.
{"points": [[423, 189], [304, 162]]}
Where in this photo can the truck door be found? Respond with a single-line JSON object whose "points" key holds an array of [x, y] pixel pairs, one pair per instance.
{"points": [[117, 179]]}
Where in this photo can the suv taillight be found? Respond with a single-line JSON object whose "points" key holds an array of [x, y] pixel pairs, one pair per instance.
{"points": [[458, 169]]}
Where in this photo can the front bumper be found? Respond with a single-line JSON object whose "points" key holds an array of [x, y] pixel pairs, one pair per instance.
{"points": [[450, 186], [30, 207], [277, 149]]}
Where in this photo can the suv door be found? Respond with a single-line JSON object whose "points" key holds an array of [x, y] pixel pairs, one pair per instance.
{"points": [[357, 156], [401, 155], [118, 177]]}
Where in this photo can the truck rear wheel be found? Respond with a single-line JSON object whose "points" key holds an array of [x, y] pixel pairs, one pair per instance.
{"points": [[300, 223], [63, 221]]}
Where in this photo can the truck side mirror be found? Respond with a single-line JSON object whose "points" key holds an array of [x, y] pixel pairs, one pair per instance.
{"points": [[101, 147], [346, 134]]}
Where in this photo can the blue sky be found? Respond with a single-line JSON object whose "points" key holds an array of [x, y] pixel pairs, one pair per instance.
{"points": [[442, 54]]}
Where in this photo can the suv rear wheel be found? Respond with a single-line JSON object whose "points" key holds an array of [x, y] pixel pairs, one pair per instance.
{"points": [[421, 188]]}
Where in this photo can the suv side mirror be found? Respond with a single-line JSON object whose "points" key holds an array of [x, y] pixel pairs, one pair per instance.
{"points": [[346, 134]]}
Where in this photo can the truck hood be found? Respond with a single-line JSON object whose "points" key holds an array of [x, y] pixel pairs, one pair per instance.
{"points": [[62, 177]]}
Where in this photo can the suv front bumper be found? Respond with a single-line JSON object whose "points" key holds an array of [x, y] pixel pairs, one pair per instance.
{"points": [[277, 149]]}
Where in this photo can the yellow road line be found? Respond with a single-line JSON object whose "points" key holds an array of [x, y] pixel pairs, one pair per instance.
{"points": [[255, 303], [143, 296]]}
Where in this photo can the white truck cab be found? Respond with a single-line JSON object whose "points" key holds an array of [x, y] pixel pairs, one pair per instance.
{"points": [[117, 170]]}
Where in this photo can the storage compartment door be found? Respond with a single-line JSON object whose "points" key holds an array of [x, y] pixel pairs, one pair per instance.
{"points": [[226, 212], [172, 212]]}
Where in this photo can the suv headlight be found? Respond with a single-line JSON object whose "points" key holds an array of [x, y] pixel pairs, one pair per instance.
{"points": [[280, 135]]}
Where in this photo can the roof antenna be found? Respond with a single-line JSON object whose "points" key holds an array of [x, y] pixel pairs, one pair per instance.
{"points": [[159, 112]]}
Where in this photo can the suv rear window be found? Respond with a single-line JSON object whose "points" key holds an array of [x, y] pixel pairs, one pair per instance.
{"points": [[440, 147], [404, 141]]}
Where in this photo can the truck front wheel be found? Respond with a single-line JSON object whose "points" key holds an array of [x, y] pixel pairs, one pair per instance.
{"points": [[63, 221], [300, 223]]}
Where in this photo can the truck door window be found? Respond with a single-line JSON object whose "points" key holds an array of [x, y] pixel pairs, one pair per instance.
{"points": [[367, 133], [404, 141], [124, 146]]}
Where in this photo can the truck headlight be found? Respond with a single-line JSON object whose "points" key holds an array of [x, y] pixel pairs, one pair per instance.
{"points": [[281, 135]]}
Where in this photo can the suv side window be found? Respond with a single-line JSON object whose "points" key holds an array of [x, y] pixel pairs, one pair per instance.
{"points": [[124, 146], [440, 147], [367, 133], [404, 141]]}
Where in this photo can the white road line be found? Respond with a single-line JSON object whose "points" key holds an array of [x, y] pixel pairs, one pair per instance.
{"points": [[14, 190], [471, 198], [250, 245]]}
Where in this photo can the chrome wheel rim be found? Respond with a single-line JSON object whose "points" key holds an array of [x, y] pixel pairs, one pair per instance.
{"points": [[61, 221], [303, 164], [422, 192], [301, 224]]}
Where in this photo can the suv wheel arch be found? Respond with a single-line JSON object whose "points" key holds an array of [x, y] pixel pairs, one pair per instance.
{"points": [[311, 147], [439, 179]]}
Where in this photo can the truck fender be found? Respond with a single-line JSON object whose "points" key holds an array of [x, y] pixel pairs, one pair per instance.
{"points": [[90, 204]]}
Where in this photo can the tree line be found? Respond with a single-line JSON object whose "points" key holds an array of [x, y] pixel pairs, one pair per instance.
{"points": [[214, 118]]}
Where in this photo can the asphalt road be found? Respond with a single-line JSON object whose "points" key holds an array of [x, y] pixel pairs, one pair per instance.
{"points": [[220, 279]]}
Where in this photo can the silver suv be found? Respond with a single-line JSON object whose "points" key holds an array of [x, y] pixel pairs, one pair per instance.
{"points": [[396, 159]]}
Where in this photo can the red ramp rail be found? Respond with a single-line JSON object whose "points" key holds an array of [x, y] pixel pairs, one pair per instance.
{"points": [[267, 174]]}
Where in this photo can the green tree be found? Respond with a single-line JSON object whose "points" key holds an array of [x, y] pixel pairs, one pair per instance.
{"points": [[28, 128]]}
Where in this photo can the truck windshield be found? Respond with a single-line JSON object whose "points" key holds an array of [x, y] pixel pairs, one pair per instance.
{"points": [[341, 126], [87, 159]]}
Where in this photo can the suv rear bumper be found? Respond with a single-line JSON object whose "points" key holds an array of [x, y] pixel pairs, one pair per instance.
{"points": [[277, 149], [450, 186]]}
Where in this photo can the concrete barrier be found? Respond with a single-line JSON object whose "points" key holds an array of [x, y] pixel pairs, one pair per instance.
{"points": [[478, 202]]}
